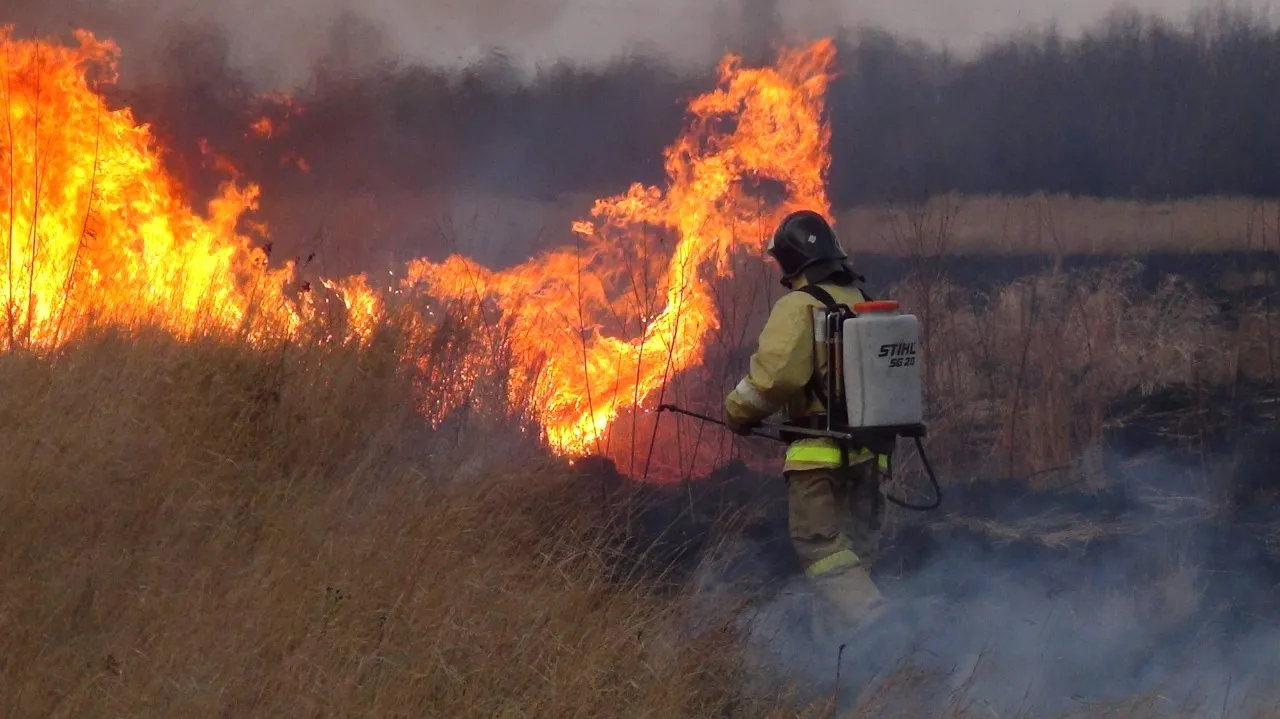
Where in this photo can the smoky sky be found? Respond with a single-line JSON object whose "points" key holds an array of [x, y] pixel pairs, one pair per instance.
{"points": [[278, 41]]}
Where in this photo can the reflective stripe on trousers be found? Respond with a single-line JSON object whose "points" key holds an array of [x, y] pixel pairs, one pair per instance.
{"points": [[840, 560]]}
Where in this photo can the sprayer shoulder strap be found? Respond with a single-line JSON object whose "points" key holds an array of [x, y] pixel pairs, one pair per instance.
{"points": [[822, 296], [825, 297], [814, 385]]}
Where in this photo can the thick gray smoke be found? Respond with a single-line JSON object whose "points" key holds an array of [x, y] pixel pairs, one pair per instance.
{"points": [[278, 41]]}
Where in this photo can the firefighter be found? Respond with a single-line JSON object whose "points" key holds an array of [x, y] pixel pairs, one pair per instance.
{"points": [[835, 507]]}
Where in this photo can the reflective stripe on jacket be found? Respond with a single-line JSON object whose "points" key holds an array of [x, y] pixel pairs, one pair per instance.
{"points": [[780, 368]]}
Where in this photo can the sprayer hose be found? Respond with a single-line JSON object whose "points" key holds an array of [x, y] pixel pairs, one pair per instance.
{"points": [[937, 490]]}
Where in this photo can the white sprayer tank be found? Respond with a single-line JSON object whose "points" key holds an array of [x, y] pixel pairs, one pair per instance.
{"points": [[882, 357]]}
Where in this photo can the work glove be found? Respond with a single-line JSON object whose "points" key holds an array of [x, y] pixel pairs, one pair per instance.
{"points": [[742, 428]]}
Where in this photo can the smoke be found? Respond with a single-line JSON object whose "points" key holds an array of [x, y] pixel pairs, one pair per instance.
{"points": [[278, 42], [1142, 598]]}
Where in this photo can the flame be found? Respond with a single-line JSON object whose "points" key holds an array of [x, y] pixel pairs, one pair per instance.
{"points": [[364, 305], [263, 128], [761, 123], [278, 110], [92, 229], [91, 226]]}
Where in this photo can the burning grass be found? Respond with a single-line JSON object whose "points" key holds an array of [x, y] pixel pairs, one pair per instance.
{"points": [[95, 230]]}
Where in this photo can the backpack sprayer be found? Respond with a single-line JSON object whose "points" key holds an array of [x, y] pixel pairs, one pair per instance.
{"points": [[873, 391]]}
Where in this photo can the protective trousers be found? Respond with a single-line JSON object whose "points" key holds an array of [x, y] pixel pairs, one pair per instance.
{"points": [[834, 520]]}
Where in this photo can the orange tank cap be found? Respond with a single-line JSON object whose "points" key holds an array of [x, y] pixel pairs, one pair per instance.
{"points": [[876, 306]]}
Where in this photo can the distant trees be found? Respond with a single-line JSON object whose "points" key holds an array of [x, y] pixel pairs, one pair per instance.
{"points": [[1137, 107]]}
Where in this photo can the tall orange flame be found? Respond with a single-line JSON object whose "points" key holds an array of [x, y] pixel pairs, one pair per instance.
{"points": [[91, 226], [94, 229], [759, 124]]}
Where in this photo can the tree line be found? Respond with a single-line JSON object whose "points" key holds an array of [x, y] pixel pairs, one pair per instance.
{"points": [[1136, 107]]}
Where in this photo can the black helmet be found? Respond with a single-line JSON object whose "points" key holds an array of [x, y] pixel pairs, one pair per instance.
{"points": [[805, 240]]}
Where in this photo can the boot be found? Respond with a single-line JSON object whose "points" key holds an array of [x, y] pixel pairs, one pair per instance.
{"points": [[849, 602]]}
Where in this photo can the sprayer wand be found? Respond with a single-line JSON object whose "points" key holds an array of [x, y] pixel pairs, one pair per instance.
{"points": [[826, 434]]}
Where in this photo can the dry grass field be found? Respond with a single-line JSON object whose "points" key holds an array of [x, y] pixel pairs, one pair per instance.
{"points": [[205, 530], [1058, 224], [209, 528]]}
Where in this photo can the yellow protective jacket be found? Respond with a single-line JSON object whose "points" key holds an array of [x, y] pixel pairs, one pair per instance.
{"points": [[780, 368]]}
